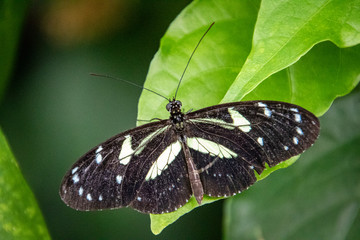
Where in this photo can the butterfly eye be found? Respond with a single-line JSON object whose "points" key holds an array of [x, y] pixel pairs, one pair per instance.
{"points": [[168, 106], [178, 103]]}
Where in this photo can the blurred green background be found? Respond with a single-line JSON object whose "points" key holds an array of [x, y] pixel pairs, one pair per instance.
{"points": [[53, 111]]}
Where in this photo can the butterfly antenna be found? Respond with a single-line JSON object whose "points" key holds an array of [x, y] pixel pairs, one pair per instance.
{"points": [[191, 58], [131, 83]]}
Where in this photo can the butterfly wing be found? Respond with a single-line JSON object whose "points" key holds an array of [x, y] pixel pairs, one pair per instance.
{"points": [[229, 141], [123, 172]]}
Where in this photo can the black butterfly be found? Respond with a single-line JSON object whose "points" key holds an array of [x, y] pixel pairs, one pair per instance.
{"points": [[156, 168]]}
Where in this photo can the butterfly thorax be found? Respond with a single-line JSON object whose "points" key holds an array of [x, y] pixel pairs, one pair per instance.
{"points": [[176, 116]]}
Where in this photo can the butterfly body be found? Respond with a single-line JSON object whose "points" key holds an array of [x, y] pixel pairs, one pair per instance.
{"points": [[215, 151]]}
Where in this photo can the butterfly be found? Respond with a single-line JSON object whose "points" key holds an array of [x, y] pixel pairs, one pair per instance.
{"points": [[215, 151]]}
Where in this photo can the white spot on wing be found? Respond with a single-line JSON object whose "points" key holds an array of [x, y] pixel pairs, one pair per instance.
{"points": [[74, 170], [260, 104], [99, 149], [239, 120], [299, 131], [208, 147], [100, 198], [75, 178], [81, 190], [126, 151], [260, 141], [98, 158], [295, 140], [88, 197], [297, 117], [163, 161], [294, 109], [139, 199], [118, 179], [286, 148], [267, 111]]}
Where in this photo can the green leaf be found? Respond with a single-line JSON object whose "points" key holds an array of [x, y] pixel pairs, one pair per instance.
{"points": [[231, 64], [316, 198], [12, 13], [20, 217], [285, 31]]}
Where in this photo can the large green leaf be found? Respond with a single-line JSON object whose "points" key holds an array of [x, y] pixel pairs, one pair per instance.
{"points": [[231, 65], [20, 217], [286, 30], [316, 198], [12, 13]]}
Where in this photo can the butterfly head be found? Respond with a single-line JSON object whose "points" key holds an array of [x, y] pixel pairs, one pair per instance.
{"points": [[176, 116], [174, 106]]}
